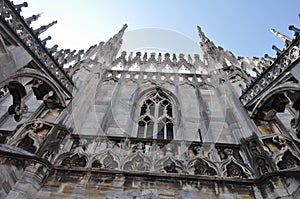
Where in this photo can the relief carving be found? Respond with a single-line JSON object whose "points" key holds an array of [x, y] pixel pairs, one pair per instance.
{"points": [[137, 163], [74, 161], [202, 168]]}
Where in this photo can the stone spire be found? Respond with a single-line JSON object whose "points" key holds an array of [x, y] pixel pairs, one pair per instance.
{"points": [[113, 45], [106, 52], [209, 50]]}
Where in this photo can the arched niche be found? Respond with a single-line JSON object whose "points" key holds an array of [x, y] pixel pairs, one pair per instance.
{"points": [[202, 166], [169, 164], [137, 162], [106, 160], [278, 105], [43, 87]]}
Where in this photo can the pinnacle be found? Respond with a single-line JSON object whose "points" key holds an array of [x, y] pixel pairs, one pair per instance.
{"points": [[201, 34], [123, 28]]}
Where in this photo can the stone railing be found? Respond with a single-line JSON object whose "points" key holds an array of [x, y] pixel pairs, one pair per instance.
{"points": [[54, 145], [158, 78], [15, 26], [285, 61], [152, 156], [157, 62]]}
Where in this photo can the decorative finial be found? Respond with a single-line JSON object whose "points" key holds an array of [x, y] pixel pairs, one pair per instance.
{"points": [[190, 60], [283, 37], [44, 28], [159, 58], [44, 41], [268, 57], [19, 7], [278, 51], [174, 58], [181, 56], [256, 71], [296, 30], [123, 28], [123, 54], [53, 49], [201, 34], [145, 57], [130, 56], [29, 20], [167, 56]]}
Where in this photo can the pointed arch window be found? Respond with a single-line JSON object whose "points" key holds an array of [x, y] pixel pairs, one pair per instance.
{"points": [[156, 118]]}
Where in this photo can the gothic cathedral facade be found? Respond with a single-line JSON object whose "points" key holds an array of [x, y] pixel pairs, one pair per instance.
{"points": [[98, 124]]}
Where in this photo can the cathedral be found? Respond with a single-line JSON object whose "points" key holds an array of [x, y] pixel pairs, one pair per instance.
{"points": [[99, 123]]}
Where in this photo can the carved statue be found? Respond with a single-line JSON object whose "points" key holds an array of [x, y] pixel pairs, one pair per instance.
{"points": [[138, 163], [170, 166], [262, 166], [213, 154], [18, 92], [202, 168]]}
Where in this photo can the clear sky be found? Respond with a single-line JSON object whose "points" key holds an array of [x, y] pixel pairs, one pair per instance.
{"points": [[240, 26]]}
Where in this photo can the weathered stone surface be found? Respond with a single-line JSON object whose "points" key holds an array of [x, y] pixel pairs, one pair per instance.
{"points": [[145, 125]]}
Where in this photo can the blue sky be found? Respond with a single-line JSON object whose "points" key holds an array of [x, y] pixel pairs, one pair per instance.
{"points": [[242, 27]]}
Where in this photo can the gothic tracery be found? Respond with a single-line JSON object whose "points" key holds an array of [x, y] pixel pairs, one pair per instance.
{"points": [[156, 118], [124, 126]]}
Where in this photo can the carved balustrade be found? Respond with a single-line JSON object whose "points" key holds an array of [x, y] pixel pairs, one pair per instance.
{"points": [[16, 27], [154, 156], [284, 63]]}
